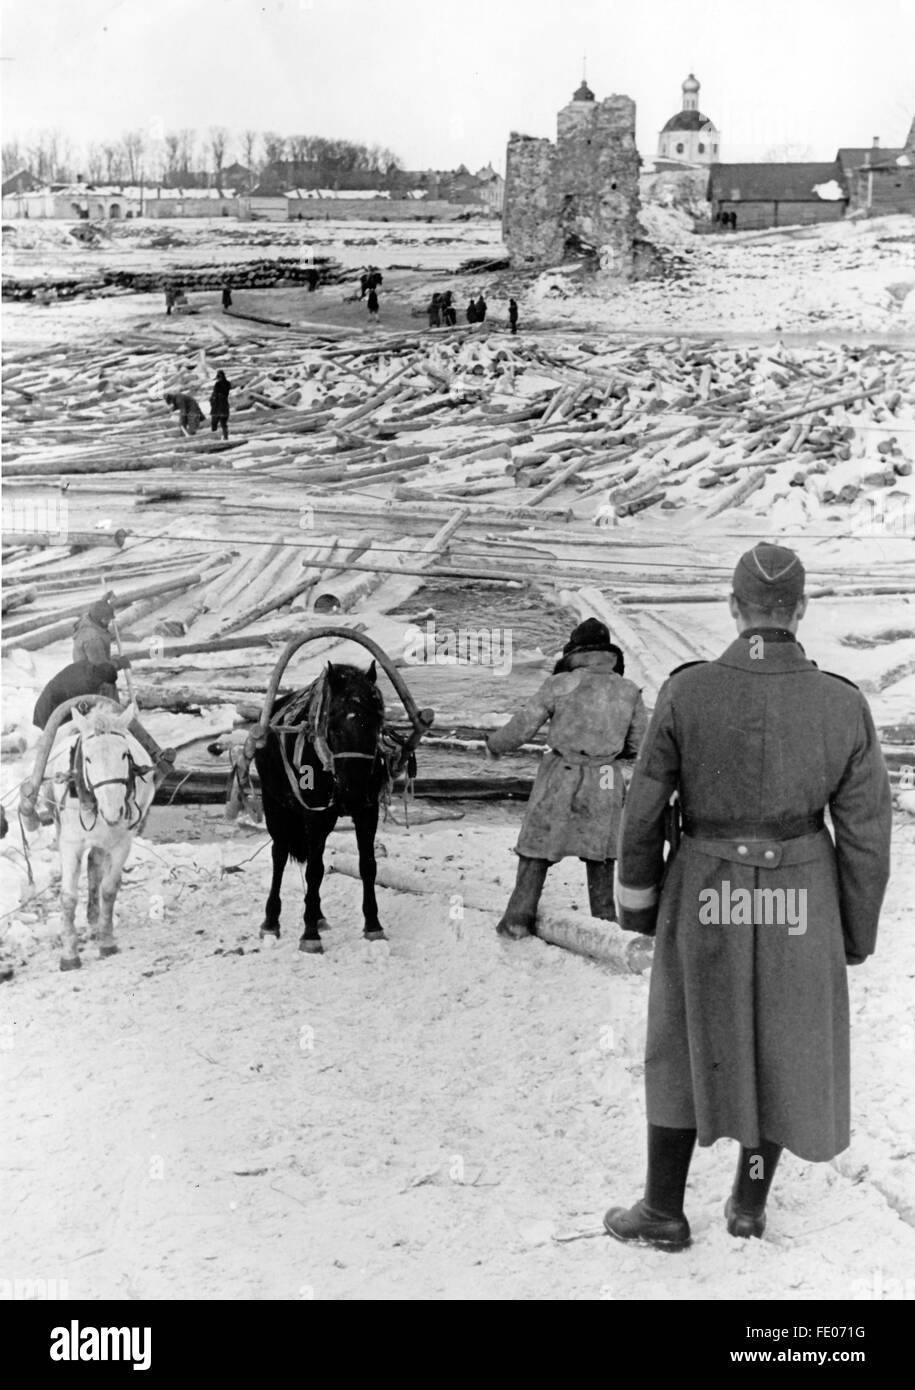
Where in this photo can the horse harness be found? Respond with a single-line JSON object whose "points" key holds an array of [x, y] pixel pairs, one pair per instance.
{"points": [[306, 716], [78, 784]]}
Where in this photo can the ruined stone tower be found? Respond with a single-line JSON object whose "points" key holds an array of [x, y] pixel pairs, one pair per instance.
{"points": [[581, 193]]}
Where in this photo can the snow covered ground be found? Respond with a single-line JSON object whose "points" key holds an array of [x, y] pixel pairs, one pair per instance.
{"points": [[441, 1116]]}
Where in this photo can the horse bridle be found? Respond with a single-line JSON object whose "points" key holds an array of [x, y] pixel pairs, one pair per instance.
{"points": [[134, 770]]}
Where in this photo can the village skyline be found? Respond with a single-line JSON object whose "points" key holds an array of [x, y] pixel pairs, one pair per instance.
{"points": [[444, 84]]}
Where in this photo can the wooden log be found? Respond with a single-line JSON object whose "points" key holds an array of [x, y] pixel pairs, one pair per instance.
{"points": [[121, 600], [588, 936], [561, 478], [18, 597], [66, 536]]}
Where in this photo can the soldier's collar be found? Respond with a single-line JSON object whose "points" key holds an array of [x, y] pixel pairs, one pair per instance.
{"points": [[771, 634]]}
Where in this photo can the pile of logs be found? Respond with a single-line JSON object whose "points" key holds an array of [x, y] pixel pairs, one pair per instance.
{"points": [[263, 273], [359, 469]]}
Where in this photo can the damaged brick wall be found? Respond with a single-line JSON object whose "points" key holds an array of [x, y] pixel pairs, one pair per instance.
{"points": [[530, 223], [581, 192]]}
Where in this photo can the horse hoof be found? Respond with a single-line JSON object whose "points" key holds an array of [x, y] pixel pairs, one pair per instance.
{"points": [[110, 950], [70, 963], [312, 947], [273, 932], [375, 935], [513, 931]]}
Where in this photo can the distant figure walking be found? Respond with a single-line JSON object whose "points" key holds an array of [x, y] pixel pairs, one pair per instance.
{"points": [[481, 310], [372, 303], [227, 296], [449, 313], [513, 315], [435, 311], [370, 280], [219, 404], [170, 297], [733, 221], [190, 416], [472, 311]]}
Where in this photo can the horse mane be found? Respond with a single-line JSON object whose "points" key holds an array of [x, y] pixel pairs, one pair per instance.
{"points": [[350, 685], [102, 721]]}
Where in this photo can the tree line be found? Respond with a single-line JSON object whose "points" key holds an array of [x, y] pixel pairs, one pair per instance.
{"points": [[186, 158]]}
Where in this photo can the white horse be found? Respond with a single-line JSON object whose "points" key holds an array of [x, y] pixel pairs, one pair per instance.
{"points": [[103, 805]]}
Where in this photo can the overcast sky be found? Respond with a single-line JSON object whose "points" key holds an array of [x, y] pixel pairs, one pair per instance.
{"points": [[444, 81]]}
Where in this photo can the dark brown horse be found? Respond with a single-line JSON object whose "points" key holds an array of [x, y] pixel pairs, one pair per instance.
{"points": [[324, 756]]}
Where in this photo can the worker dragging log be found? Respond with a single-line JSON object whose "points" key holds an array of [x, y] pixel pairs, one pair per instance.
{"points": [[219, 404], [190, 416], [596, 721], [758, 911]]}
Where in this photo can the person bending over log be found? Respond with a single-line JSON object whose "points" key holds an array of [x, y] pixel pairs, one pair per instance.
{"points": [[79, 678], [219, 404], [94, 678], [596, 719], [190, 416]]}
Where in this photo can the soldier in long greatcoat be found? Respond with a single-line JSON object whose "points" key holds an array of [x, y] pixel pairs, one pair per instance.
{"points": [[759, 911], [596, 723]]}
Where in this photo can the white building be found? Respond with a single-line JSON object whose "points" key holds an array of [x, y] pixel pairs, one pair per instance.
{"points": [[688, 138]]}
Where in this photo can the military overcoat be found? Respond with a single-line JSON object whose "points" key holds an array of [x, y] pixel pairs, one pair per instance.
{"points": [[748, 1022]]}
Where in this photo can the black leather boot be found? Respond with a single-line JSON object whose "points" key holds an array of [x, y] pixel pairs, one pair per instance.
{"points": [[518, 919], [658, 1219], [600, 889], [745, 1210]]}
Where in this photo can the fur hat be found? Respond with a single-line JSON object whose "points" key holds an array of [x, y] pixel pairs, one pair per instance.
{"points": [[590, 636]]}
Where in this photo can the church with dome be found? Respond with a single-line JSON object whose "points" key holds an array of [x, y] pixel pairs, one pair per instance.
{"points": [[689, 139]]}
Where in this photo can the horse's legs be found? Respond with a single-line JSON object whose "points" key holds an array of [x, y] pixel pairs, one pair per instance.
{"points": [[318, 830], [71, 859], [366, 823], [112, 864], [94, 862], [271, 923]]}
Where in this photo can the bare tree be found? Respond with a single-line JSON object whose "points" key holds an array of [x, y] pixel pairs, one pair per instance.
{"points": [[187, 140], [95, 163], [274, 147], [172, 143], [14, 158], [132, 146], [248, 144], [218, 140]]}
